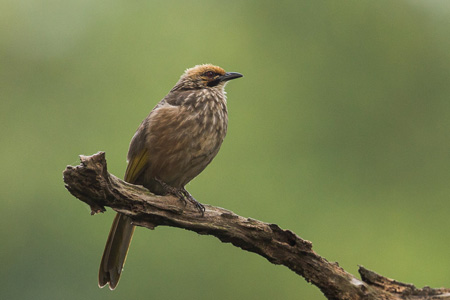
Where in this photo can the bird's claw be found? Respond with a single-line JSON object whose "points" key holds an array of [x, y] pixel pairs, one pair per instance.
{"points": [[182, 195], [197, 204]]}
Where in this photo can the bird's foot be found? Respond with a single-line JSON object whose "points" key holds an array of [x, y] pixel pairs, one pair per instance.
{"points": [[182, 195], [198, 205]]}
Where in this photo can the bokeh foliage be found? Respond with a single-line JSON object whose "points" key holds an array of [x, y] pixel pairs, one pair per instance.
{"points": [[339, 131]]}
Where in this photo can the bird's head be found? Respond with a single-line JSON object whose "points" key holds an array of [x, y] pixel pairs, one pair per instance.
{"points": [[205, 76]]}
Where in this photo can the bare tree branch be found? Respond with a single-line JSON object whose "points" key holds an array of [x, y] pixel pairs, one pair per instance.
{"points": [[91, 183]]}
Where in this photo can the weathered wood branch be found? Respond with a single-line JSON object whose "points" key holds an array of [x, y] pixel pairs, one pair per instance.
{"points": [[91, 183]]}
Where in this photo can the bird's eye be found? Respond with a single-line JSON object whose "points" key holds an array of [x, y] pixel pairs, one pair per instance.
{"points": [[210, 74]]}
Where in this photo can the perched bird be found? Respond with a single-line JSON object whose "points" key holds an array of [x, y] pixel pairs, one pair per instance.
{"points": [[176, 142]]}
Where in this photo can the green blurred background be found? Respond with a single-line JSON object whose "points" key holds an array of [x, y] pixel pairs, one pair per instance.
{"points": [[339, 131]]}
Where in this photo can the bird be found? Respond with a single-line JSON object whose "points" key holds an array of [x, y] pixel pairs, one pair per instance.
{"points": [[173, 144]]}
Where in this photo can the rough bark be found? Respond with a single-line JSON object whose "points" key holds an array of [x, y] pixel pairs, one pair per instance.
{"points": [[91, 183]]}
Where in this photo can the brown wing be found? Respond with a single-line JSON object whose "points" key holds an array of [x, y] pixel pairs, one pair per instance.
{"points": [[136, 165]]}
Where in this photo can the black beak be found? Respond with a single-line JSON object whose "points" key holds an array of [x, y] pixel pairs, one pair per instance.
{"points": [[230, 75], [225, 77]]}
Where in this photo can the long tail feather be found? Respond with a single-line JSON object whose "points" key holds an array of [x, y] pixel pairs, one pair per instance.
{"points": [[115, 252]]}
